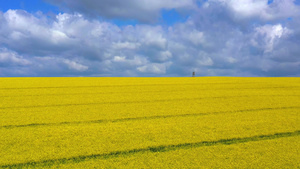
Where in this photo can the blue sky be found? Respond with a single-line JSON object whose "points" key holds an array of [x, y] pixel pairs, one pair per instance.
{"points": [[149, 38], [30, 6]]}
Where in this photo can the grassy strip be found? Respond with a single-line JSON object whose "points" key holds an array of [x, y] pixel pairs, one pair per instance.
{"points": [[141, 118], [162, 148], [141, 101]]}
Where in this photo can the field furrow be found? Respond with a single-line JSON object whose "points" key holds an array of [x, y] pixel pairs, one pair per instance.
{"points": [[162, 148], [143, 118]]}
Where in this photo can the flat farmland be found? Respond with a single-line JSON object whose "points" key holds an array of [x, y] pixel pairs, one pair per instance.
{"points": [[201, 122]]}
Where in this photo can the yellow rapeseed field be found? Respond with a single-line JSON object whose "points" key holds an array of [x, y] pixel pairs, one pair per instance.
{"points": [[201, 122]]}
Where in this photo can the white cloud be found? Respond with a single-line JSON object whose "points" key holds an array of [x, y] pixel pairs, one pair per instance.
{"points": [[212, 42], [248, 8], [260, 8], [10, 58], [152, 36], [125, 45], [126, 62], [119, 58], [155, 68], [270, 33], [196, 37], [75, 66], [165, 55], [204, 60]]}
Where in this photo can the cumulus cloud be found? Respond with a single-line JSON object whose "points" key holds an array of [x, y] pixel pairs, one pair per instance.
{"points": [[22, 31], [142, 10], [242, 9], [270, 34], [125, 45], [10, 58], [213, 41], [154, 68], [75, 66]]}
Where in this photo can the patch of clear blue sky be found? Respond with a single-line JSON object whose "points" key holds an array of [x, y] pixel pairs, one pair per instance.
{"points": [[297, 2], [170, 17], [31, 6], [123, 22]]}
